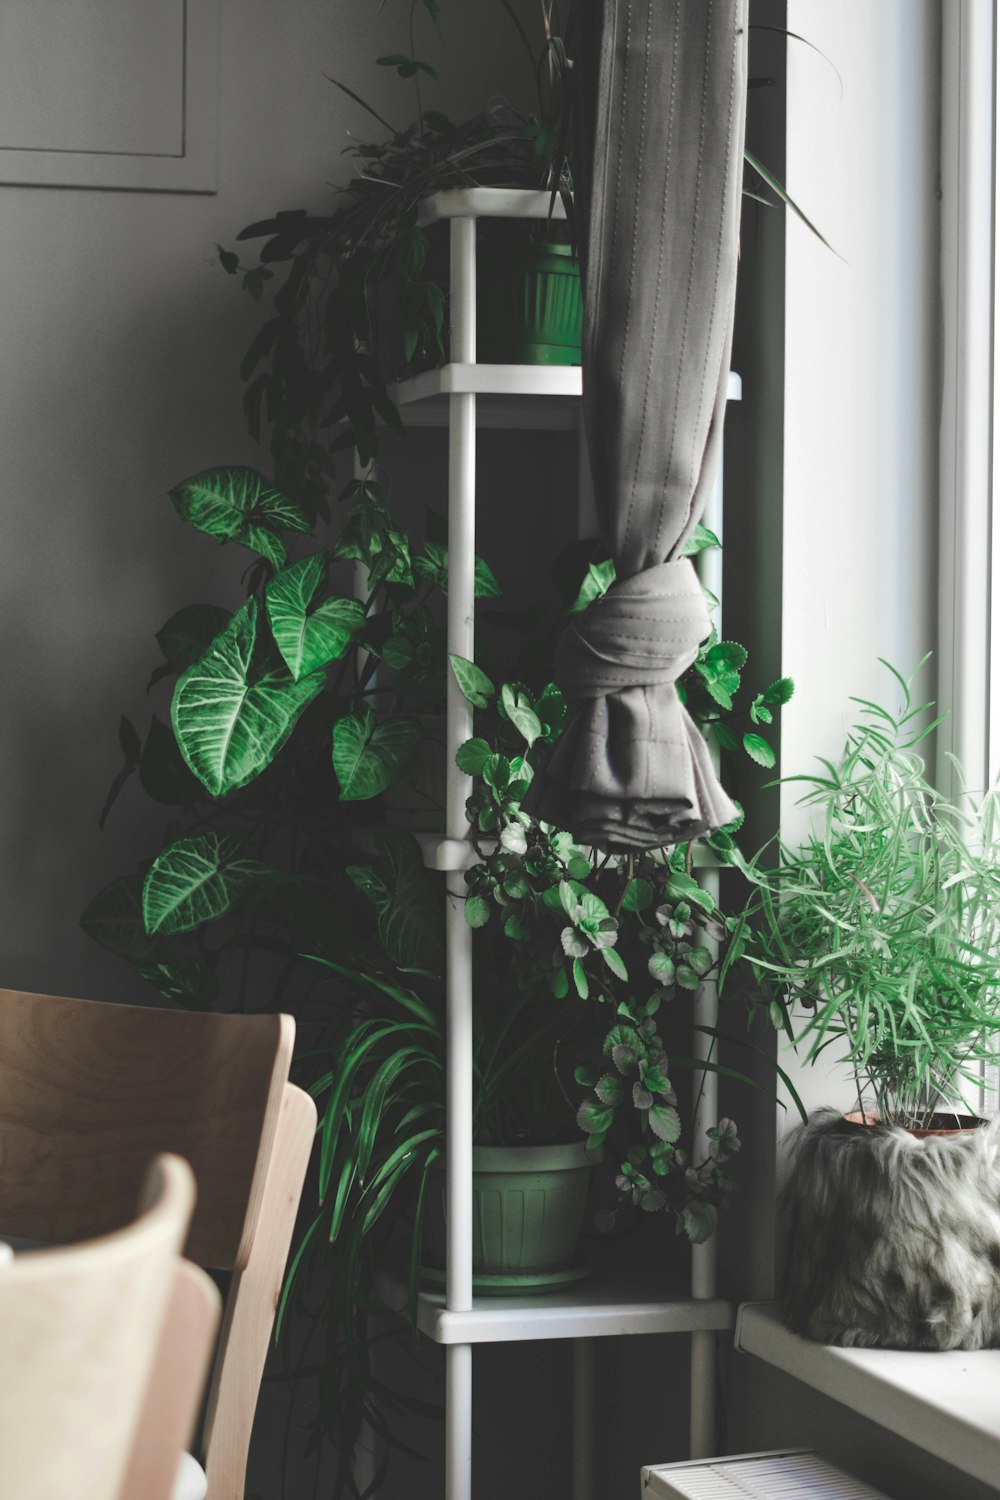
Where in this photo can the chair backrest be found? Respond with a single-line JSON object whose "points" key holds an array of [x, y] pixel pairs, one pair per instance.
{"points": [[79, 1330], [89, 1091], [175, 1387]]}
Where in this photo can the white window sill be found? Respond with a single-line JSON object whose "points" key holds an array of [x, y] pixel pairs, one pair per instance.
{"points": [[948, 1404]]}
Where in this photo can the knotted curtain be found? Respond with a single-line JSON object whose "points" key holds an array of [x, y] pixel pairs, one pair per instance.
{"points": [[660, 99]]}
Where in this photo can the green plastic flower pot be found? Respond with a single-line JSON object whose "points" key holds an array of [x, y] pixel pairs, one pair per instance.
{"points": [[529, 305], [528, 1207]]}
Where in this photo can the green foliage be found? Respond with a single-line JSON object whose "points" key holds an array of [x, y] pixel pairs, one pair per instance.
{"points": [[368, 754], [711, 689], [197, 879], [359, 297], [473, 682], [239, 505], [877, 936], [276, 753], [235, 707], [410, 912], [309, 640], [616, 938]]}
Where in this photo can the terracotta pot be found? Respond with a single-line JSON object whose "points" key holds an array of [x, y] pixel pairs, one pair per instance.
{"points": [[920, 1133]]}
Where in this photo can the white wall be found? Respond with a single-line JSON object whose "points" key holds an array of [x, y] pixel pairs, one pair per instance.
{"points": [[862, 374], [857, 578]]}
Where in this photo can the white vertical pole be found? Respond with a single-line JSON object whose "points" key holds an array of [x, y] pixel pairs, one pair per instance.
{"points": [[968, 638], [706, 1113], [993, 728], [967, 254], [584, 1420], [461, 561], [458, 1422]]}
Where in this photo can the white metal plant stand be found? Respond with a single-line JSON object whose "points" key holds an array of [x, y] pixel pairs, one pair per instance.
{"points": [[459, 395]]}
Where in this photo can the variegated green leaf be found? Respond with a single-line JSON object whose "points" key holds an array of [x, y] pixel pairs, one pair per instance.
{"points": [[114, 919], [197, 879], [309, 641], [369, 753], [238, 504], [410, 924], [230, 725]]}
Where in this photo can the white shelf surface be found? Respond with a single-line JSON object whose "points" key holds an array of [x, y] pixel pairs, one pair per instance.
{"points": [[490, 203], [546, 397], [948, 1403], [631, 1301]]}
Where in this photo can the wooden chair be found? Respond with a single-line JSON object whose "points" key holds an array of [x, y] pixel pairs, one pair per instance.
{"points": [[175, 1388], [80, 1327], [89, 1092]]}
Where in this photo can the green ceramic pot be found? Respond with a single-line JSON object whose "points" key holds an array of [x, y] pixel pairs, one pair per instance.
{"points": [[529, 306], [528, 1208]]}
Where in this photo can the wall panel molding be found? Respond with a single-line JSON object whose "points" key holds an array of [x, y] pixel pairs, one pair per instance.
{"points": [[119, 94]]}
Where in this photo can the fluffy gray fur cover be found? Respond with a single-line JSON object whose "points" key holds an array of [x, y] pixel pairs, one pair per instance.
{"points": [[893, 1242]]}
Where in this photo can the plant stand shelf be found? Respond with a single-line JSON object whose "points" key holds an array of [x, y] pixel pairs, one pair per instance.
{"points": [[514, 397], [597, 1309], [947, 1404], [463, 397], [627, 1293]]}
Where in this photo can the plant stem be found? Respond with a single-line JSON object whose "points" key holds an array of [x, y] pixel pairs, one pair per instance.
{"points": [[416, 76]]}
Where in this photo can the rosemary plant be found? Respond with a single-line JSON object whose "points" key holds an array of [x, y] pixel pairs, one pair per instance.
{"points": [[878, 935]]}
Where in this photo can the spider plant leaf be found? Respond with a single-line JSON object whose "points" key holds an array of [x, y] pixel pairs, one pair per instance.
{"points": [[348, 1173], [417, 1237], [787, 199], [292, 1274]]}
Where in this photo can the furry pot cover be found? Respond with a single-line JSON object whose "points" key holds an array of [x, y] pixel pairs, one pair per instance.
{"points": [[893, 1242]]}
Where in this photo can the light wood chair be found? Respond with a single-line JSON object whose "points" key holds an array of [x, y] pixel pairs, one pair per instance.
{"points": [[89, 1092], [80, 1327], [175, 1388]]}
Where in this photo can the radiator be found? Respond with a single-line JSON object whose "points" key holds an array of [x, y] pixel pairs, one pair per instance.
{"points": [[795, 1474]]}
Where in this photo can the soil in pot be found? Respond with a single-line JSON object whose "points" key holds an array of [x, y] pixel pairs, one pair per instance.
{"points": [[528, 1210]]}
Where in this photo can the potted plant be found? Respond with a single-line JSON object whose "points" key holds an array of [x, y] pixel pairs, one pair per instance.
{"points": [[289, 720], [360, 293], [362, 298], [877, 937]]}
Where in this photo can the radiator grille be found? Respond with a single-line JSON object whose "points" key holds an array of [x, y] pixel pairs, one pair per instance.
{"points": [[755, 1476]]}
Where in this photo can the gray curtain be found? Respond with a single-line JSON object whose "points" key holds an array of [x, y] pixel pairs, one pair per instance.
{"points": [[660, 98]]}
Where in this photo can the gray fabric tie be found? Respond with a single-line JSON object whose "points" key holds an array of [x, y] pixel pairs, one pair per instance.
{"points": [[661, 98]]}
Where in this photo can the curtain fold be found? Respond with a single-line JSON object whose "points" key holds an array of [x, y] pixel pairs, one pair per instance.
{"points": [[660, 100]]}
